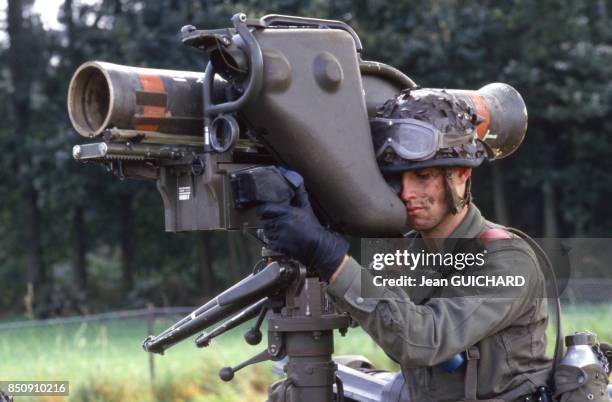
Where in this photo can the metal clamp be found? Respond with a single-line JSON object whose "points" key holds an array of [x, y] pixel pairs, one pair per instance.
{"points": [[255, 80]]}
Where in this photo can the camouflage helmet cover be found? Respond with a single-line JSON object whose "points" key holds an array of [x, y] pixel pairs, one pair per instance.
{"points": [[450, 116]]}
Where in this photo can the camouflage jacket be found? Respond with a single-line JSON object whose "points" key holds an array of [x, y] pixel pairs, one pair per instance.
{"points": [[421, 334]]}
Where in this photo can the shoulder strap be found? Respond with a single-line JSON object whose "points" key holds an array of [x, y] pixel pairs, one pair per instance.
{"points": [[472, 355], [547, 269]]}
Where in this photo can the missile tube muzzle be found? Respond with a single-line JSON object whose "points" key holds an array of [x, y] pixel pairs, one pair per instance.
{"points": [[503, 116], [104, 95]]}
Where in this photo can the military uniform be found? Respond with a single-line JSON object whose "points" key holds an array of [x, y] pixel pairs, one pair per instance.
{"points": [[505, 336]]}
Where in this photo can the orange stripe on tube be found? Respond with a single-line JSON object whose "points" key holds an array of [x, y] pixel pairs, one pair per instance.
{"points": [[482, 111], [151, 83], [147, 127]]}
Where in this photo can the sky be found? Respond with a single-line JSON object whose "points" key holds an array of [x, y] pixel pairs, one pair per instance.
{"points": [[48, 10]]}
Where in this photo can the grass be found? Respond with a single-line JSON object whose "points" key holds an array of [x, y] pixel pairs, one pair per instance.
{"points": [[104, 361]]}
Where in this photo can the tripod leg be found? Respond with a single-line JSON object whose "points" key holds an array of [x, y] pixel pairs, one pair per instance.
{"points": [[310, 368]]}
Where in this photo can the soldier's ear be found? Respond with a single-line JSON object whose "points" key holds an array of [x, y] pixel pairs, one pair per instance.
{"points": [[462, 174]]}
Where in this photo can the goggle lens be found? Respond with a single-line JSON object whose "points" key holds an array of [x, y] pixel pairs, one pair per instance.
{"points": [[410, 139]]}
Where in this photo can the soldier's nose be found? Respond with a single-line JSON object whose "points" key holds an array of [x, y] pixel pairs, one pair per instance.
{"points": [[409, 187], [408, 194]]}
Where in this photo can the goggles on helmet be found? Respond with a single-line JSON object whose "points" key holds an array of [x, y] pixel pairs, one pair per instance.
{"points": [[410, 139]]}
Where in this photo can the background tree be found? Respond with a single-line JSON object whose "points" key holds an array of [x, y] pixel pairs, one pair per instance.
{"points": [[75, 233], [26, 70]]}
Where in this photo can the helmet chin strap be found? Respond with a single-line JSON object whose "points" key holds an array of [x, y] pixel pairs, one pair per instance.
{"points": [[455, 201]]}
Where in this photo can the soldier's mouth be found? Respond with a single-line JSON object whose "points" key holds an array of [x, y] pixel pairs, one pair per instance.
{"points": [[413, 210]]}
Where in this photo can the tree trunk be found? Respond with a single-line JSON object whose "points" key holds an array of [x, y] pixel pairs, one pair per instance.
{"points": [[125, 237], [253, 249], [205, 277], [27, 212], [36, 269], [244, 254], [79, 249], [499, 199], [550, 210], [234, 258], [69, 22], [79, 237]]}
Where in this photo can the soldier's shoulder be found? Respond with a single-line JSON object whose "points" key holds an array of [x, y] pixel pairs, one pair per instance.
{"points": [[511, 252], [496, 237], [492, 233]]}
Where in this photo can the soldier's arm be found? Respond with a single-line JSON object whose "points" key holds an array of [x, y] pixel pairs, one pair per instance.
{"points": [[339, 269], [425, 335]]}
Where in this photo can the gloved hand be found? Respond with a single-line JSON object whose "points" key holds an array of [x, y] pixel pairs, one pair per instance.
{"points": [[294, 230]]}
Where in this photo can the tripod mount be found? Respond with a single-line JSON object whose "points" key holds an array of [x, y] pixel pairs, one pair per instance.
{"points": [[301, 320]]}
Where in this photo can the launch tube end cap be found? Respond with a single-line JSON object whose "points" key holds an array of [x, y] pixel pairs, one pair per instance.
{"points": [[581, 338]]}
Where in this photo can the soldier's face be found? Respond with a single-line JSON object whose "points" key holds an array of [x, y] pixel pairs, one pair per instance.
{"points": [[424, 194]]}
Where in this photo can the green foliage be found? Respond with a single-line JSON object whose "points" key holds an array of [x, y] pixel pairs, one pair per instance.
{"points": [[556, 53]]}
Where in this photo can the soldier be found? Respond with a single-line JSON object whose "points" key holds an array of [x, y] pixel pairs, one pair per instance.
{"points": [[429, 143]]}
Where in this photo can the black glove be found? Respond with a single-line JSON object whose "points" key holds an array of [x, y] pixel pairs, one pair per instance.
{"points": [[294, 230]]}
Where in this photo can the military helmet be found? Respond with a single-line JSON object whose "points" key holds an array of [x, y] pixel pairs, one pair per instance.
{"points": [[426, 128]]}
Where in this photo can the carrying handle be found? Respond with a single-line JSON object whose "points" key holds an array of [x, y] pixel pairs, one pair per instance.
{"points": [[288, 20]]}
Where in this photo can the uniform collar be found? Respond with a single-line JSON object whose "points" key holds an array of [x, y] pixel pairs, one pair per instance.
{"points": [[471, 225]]}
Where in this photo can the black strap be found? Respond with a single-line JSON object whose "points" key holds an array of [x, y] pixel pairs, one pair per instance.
{"points": [[547, 269], [471, 373]]}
